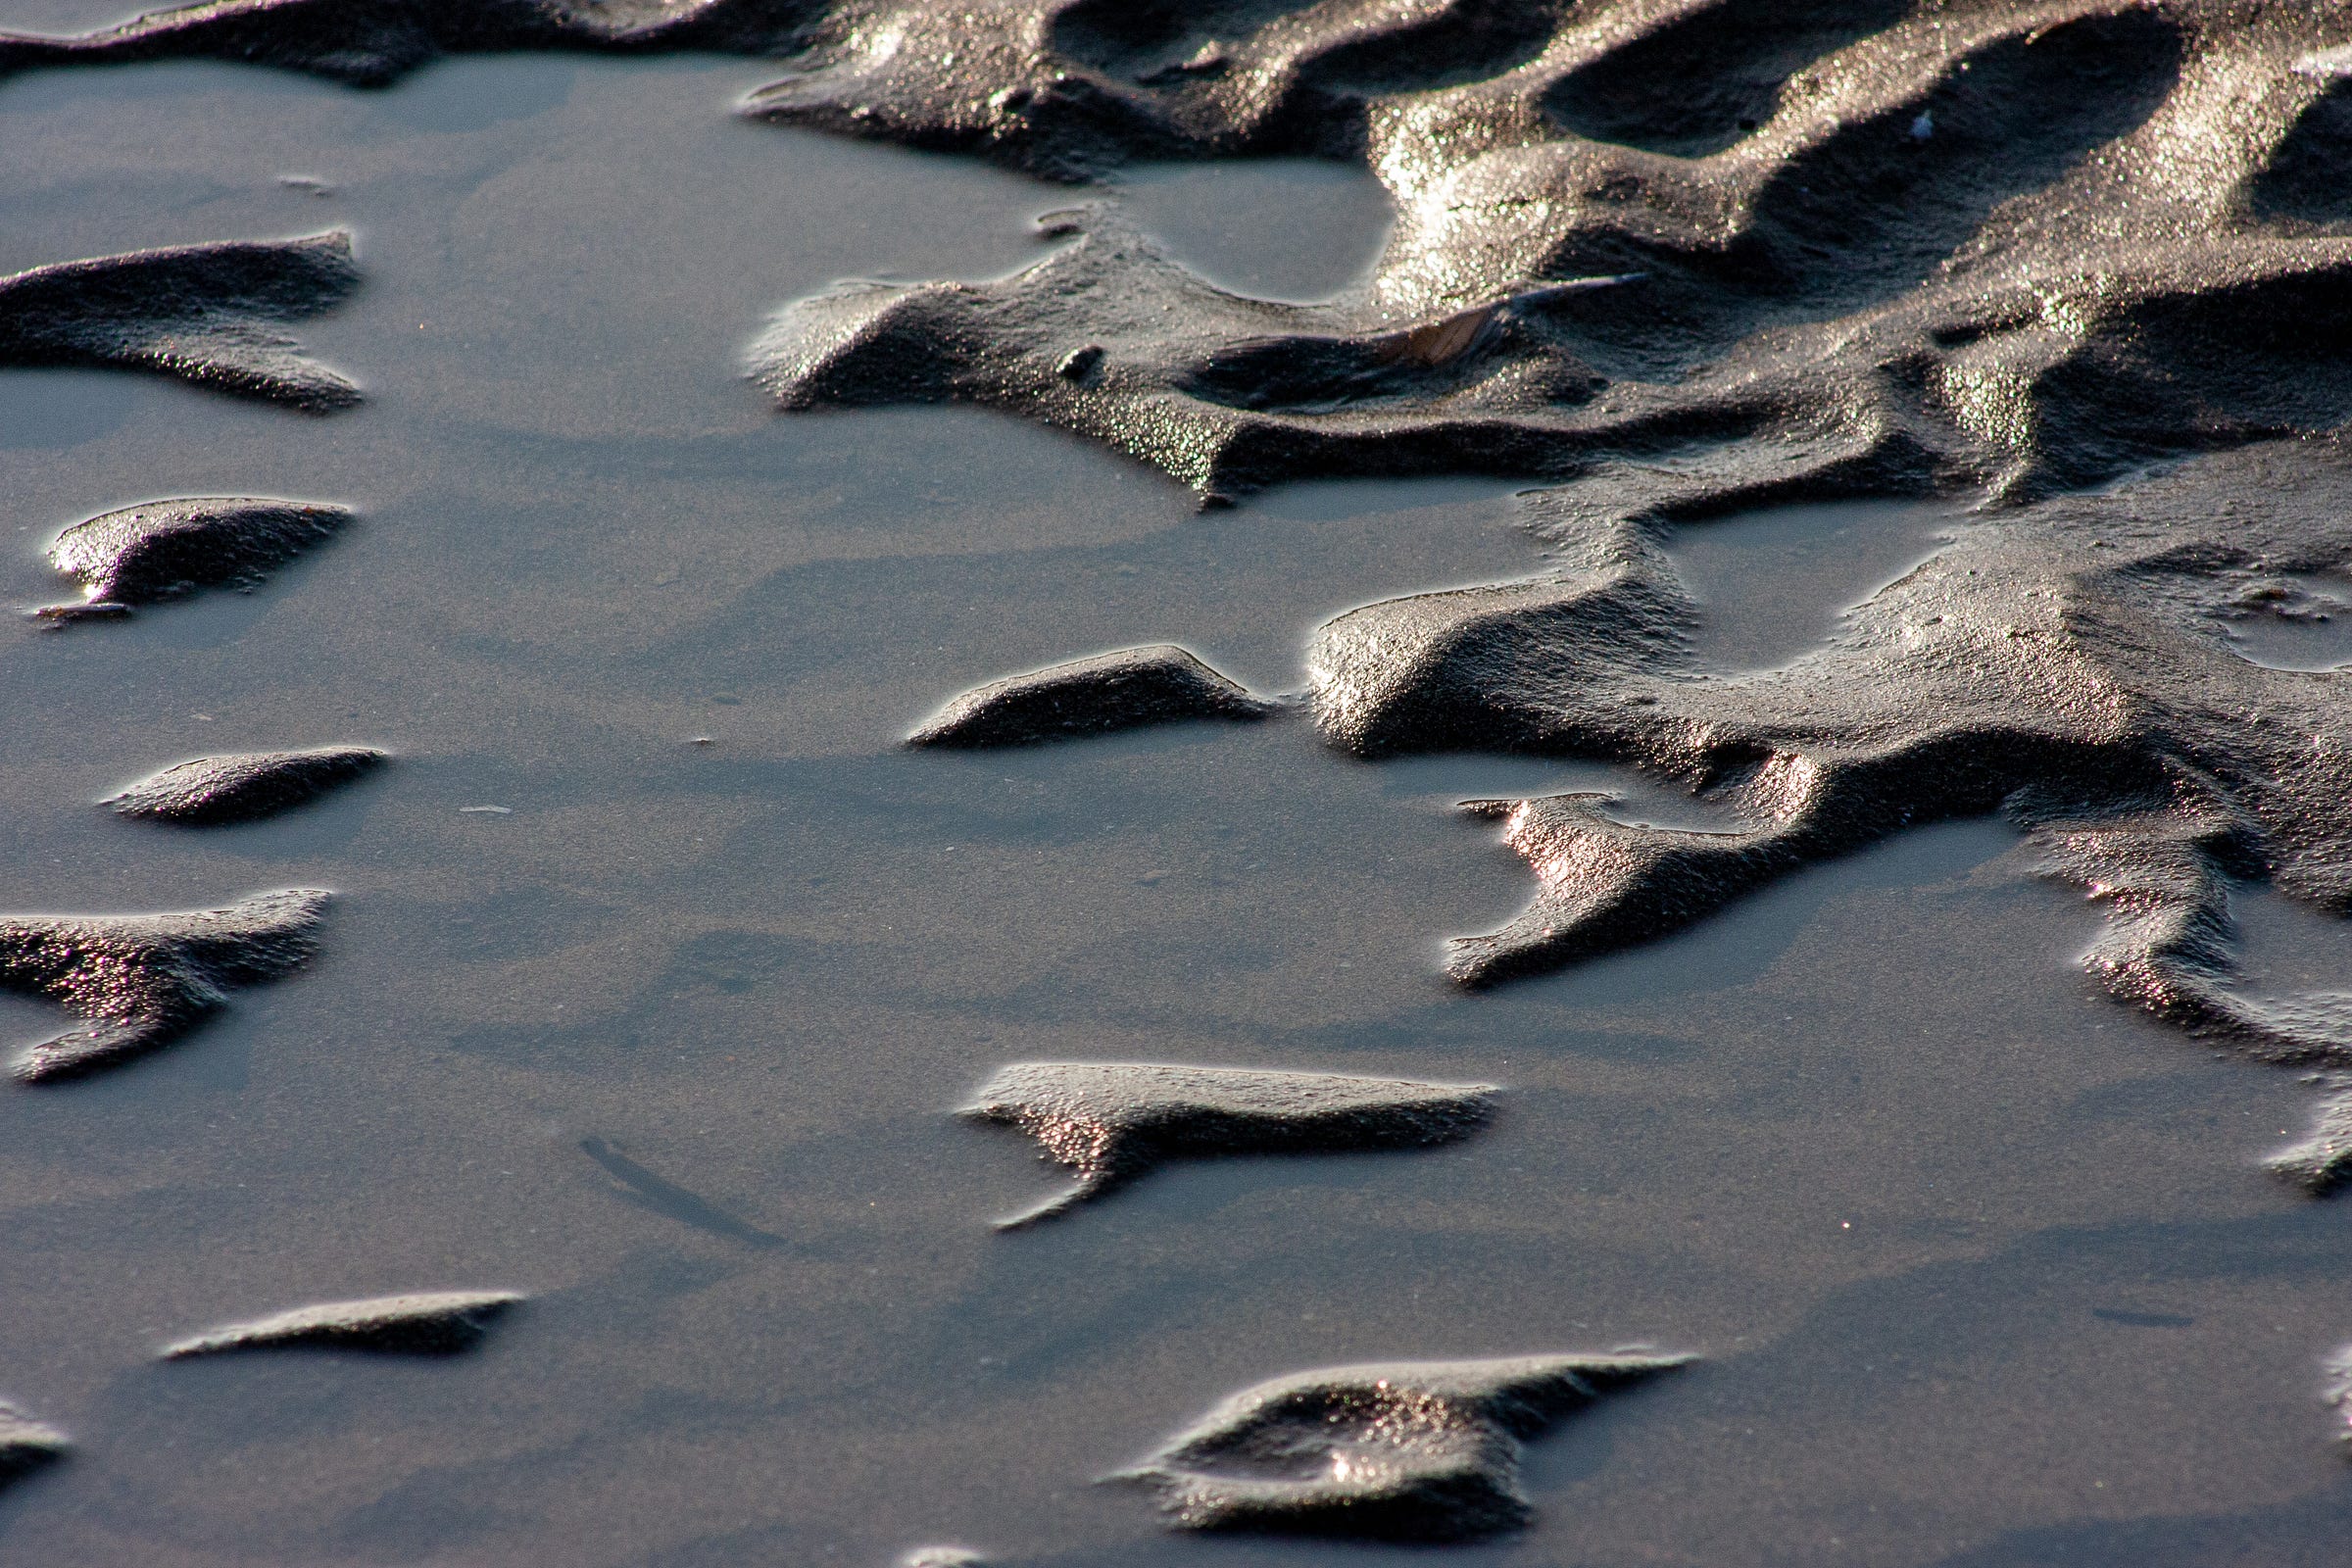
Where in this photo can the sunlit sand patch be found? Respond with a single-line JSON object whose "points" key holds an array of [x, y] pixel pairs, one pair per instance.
{"points": [[428, 1323], [243, 787], [141, 981], [196, 312], [1129, 689], [1111, 1122], [1411, 1451], [165, 550]]}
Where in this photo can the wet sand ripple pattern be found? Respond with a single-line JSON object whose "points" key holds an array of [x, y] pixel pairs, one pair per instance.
{"points": [[2064, 663], [1679, 259], [197, 313], [140, 981], [211, 791], [427, 1323], [2028, 247], [163, 550], [1848, 250], [1111, 1122], [1414, 1451], [1127, 689]]}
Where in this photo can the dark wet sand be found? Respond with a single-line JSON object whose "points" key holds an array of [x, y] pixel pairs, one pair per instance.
{"points": [[1982, 1267]]}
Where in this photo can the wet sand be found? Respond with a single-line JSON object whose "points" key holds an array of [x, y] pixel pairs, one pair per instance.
{"points": [[1982, 1267]]}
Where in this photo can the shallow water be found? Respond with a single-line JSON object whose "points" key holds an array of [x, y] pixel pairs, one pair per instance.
{"points": [[1983, 1268], [1275, 229], [62, 18], [1776, 584], [2317, 633]]}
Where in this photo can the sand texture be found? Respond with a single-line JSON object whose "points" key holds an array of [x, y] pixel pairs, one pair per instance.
{"points": [[1416, 1451], [423, 1323], [1128, 689], [146, 554], [198, 312], [140, 981], [245, 787], [1600, 673], [1110, 1122]]}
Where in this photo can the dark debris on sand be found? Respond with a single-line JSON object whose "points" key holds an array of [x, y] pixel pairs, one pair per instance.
{"points": [[427, 1323], [1110, 1122], [1424, 1451], [140, 981], [242, 787], [196, 312]]}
